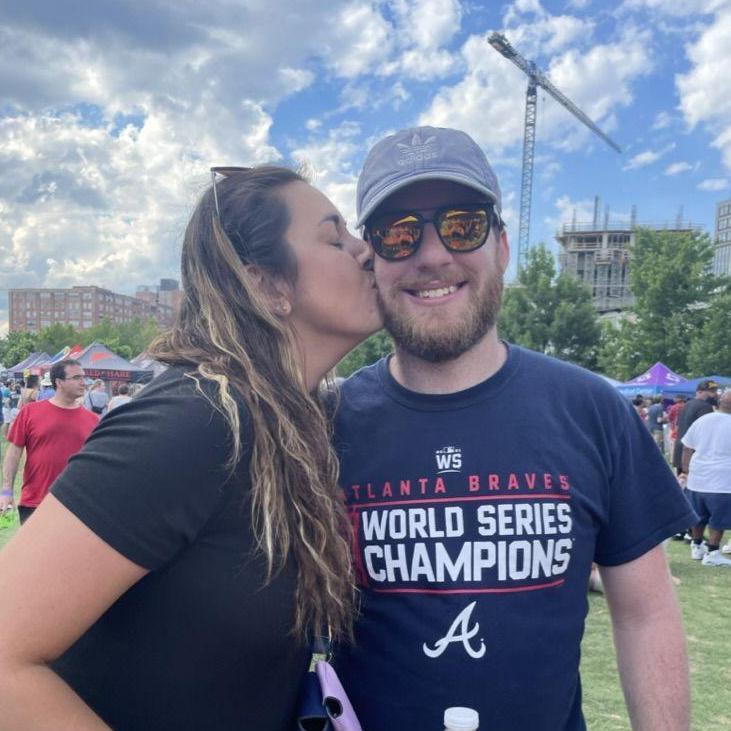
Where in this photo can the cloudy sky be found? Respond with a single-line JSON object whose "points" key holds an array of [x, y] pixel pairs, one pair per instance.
{"points": [[112, 111]]}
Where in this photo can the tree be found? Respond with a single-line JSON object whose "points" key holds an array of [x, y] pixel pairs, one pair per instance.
{"points": [[16, 346], [551, 314], [710, 349], [127, 339], [55, 337], [673, 284], [369, 351]]}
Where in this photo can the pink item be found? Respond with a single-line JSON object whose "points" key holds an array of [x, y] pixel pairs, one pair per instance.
{"points": [[334, 698]]}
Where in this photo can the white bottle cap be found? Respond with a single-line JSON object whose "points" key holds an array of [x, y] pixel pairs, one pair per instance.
{"points": [[461, 719]]}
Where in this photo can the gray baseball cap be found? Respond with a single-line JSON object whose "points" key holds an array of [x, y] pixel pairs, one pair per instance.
{"points": [[423, 153]]}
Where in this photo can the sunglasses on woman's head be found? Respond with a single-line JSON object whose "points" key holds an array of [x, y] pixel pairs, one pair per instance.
{"points": [[224, 172], [461, 228]]}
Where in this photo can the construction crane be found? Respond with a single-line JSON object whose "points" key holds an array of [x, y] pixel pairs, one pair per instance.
{"points": [[536, 78]]}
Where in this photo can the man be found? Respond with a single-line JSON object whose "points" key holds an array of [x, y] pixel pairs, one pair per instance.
{"points": [[706, 397], [673, 415], [707, 462], [50, 432], [655, 420], [122, 397], [476, 519]]}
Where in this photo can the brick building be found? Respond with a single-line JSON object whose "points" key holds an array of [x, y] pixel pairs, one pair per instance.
{"points": [[81, 307], [166, 293]]}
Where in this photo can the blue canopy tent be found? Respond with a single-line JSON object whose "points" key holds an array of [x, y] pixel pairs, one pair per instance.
{"points": [[687, 388], [610, 381]]}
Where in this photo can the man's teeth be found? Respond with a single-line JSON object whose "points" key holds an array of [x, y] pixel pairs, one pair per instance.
{"points": [[441, 292]]}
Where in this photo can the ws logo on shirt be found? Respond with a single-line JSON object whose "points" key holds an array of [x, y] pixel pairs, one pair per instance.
{"points": [[449, 459]]}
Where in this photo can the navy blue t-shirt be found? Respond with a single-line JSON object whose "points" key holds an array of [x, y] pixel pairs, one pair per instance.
{"points": [[477, 516]]}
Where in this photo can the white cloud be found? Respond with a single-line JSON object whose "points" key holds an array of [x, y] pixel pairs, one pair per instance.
{"points": [[713, 184], [662, 121], [676, 8], [427, 23], [409, 45], [365, 38], [489, 100], [537, 33], [678, 167], [703, 90], [329, 160], [647, 157], [569, 211], [106, 136]]}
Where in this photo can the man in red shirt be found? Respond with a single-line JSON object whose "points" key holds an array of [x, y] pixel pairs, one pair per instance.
{"points": [[51, 432]]}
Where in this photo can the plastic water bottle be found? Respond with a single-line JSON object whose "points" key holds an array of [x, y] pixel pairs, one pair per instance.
{"points": [[8, 517], [461, 719]]}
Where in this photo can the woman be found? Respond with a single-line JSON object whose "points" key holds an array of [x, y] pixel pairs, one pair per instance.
{"points": [[29, 392], [97, 399], [171, 578]]}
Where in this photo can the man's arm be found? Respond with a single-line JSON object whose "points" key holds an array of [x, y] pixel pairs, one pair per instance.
{"points": [[10, 469], [687, 454], [650, 642]]}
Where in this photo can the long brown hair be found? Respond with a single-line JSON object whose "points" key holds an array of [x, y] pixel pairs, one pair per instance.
{"points": [[227, 332]]}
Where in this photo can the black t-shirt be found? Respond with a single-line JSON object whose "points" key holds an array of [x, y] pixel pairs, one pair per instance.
{"points": [[199, 642], [694, 409]]}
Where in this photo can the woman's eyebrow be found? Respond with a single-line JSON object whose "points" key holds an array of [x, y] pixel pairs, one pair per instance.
{"points": [[331, 218]]}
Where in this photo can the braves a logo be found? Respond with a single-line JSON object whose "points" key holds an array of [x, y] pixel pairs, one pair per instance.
{"points": [[460, 631]]}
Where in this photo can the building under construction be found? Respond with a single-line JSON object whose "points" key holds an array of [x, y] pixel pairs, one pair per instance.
{"points": [[598, 254]]}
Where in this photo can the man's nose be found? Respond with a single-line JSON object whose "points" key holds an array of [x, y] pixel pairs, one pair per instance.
{"points": [[432, 252]]}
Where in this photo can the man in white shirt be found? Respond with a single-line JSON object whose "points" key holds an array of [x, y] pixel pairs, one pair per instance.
{"points": [[707, 461]]}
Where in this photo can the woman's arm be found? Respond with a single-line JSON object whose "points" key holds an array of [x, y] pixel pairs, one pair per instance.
{"points": [[57, 578]]}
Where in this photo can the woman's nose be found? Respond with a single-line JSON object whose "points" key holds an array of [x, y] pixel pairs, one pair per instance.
{"points": [[363, 254]]}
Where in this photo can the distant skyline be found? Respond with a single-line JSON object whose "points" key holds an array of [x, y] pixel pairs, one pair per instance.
{"points": [[111, 114]]}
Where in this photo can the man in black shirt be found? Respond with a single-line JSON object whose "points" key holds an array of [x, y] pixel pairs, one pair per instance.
{"points": [[706, 397]]}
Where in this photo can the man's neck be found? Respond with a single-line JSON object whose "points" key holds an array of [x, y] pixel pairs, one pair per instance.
{"points": [[472, 367], [63, 402]]}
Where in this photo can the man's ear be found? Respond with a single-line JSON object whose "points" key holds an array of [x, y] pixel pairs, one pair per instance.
{"points": [[276, 292], [503, 250]]}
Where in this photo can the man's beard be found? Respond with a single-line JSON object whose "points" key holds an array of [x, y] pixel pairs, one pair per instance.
{"points": [[436, 345]]}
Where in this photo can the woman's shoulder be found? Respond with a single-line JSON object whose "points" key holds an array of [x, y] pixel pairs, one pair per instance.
{"points": [[182, 394]]}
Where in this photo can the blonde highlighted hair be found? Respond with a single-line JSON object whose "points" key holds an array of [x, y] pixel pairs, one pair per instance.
{"points": [[227, 334]]}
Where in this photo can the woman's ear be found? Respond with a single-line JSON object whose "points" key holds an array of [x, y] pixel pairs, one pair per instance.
{"points": [[276, 292]]}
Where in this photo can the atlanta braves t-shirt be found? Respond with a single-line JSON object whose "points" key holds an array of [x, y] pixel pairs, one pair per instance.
{"points": [[477, 516]]}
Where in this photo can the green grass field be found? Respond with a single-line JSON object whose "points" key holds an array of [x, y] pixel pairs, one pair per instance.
{"points": [[705, 597]]}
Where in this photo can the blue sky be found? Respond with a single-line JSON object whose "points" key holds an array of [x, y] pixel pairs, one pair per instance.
{"points": [[112, 112]]}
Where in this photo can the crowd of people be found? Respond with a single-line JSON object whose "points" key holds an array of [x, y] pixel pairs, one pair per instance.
{"points": [[695, 435], [181, 564], [49, 418]]}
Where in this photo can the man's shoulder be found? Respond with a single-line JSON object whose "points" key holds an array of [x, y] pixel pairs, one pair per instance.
{"points": [[364, 378], [711, 420], [551, 371], [35, 408]]}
